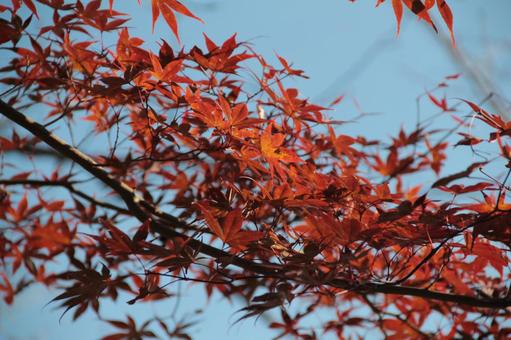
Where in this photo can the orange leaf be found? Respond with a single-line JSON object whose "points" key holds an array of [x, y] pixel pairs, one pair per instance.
{"points": [[211, 221], [446, 13], [155, 11], [271, 147], [179, 7], [170, 18], [31, 7], [232, 224], [419, 9], [245, 236], [7, 288], [398, 11], [167, 9]]}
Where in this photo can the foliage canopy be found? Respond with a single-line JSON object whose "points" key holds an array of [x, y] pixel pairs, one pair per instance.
{"points": [[250, 193]]}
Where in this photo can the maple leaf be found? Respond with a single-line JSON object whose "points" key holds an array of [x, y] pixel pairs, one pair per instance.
{"points": [[462, 189], [167, 9], [220, 58], [81, 59], [397, 6], [129, 330], [462, 174], [492, 254], [271, 147], [54, 236], [442, 104], [494, 120], [87, 289], [7, 289], [421, 10], [468, 140], [230, 230], [445, 12], [118, 243], [29, 3], [339, 221], [490, 204], [327, 230], [168, 72]]}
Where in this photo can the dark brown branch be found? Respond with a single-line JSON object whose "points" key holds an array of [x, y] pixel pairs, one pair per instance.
{"points": [[138, 207], [37, 151], [160, 224], [69, 186], [127, 194], [427, 294]]}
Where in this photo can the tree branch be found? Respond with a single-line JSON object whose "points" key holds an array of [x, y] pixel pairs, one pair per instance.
{"points": [[69, 186], [160, 224]]}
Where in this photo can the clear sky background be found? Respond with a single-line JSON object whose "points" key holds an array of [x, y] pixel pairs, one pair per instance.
{"points": [[345, 48]]}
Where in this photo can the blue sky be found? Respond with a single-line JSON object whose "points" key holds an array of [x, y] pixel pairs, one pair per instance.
{"points": [[345, 48]]}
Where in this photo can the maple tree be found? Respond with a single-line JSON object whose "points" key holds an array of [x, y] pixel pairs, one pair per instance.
{"points": [[250, 193]]}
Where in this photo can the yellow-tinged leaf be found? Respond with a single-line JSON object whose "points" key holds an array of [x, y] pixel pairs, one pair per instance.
{"points": [[271, 147]]}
